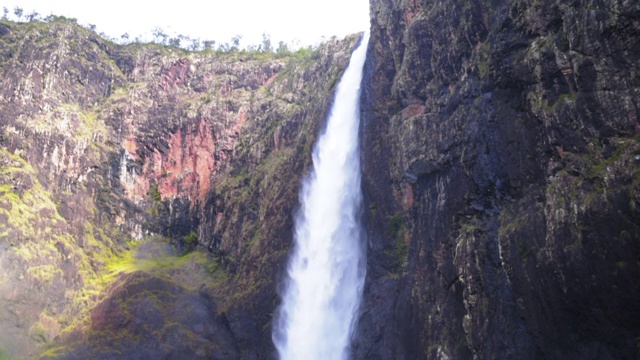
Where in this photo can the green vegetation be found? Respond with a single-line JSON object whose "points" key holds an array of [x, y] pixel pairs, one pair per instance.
{"points": [[38, 333], [598, 167], [189, 242], [70, 120], [165, 40], [191, 238], [483, 68], [484, 61], [563, 43], [40, 237], [154, 193], [74, 224], [53, 352], [128, 263], [577, 242], [399, 253], [509, 224], [192, 268], [469, 226], [373, 210], [396, 226], [523, 250], [624, 235], [564, 99], [621, 265]]}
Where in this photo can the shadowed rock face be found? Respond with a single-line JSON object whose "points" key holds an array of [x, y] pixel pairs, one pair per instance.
{"points": [[500, 146], [107, 151]]}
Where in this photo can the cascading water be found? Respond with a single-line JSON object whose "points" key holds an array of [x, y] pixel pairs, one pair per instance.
{"points": [[327, 269]]}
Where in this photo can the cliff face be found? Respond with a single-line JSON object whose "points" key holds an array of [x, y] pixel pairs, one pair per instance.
{"points": [[502, 175], [134, 186], [147, 193]]}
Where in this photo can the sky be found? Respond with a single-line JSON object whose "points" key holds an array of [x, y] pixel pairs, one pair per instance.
{"points": [[302, 22]]}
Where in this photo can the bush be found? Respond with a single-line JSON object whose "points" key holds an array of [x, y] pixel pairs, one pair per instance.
{"points": [[191, 239]]}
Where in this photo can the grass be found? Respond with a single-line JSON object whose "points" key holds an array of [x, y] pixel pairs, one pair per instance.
{"points": [[193, 263], [3, 355], [41, 239]]}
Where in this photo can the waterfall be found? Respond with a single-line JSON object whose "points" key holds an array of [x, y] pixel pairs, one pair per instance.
{"points": [[327, 268]]}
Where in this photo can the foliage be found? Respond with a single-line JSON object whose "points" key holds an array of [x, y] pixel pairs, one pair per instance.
{"points": [[190, 241], [191, 238], [17, 11], [60, 19], [154, 193], [396, 226], [399, 252], [266, 43], [161, 37]]}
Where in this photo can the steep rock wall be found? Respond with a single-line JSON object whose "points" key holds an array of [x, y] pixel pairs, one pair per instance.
{"points": [[501, 171], [108, 152]]}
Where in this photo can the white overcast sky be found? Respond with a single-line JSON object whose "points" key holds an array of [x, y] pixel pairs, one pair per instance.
{"points": [[303, 20]]}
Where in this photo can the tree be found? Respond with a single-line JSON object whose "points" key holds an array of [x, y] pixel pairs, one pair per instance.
{"points": [[209, 44], [159, 36], [195, 44], [18, 12], [92, 27], [5, 12], [33, 16], [282, 48], [175, 41], [224, 47], [266, 43], [184, 40], [235, 41]]}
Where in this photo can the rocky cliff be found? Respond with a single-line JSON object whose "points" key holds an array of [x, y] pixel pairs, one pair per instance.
{"points": [[501, 147], [147, 193]]}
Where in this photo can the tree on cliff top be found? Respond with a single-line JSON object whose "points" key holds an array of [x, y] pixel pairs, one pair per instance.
{"points": [[18, 12]]}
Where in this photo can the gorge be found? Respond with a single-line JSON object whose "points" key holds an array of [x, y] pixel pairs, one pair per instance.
{"points": [[148, 194]]}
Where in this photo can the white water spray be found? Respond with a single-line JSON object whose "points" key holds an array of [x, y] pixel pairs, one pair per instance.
{"points": [[326, 271]]}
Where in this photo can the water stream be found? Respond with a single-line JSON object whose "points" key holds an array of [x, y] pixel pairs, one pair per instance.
{"points": [[327, 267]]}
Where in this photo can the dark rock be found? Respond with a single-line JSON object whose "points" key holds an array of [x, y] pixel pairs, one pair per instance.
{"points": [[524, 242], [420, 168]]}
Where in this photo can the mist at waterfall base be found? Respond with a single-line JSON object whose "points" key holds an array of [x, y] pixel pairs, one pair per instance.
{"points": [[327, 268]]}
